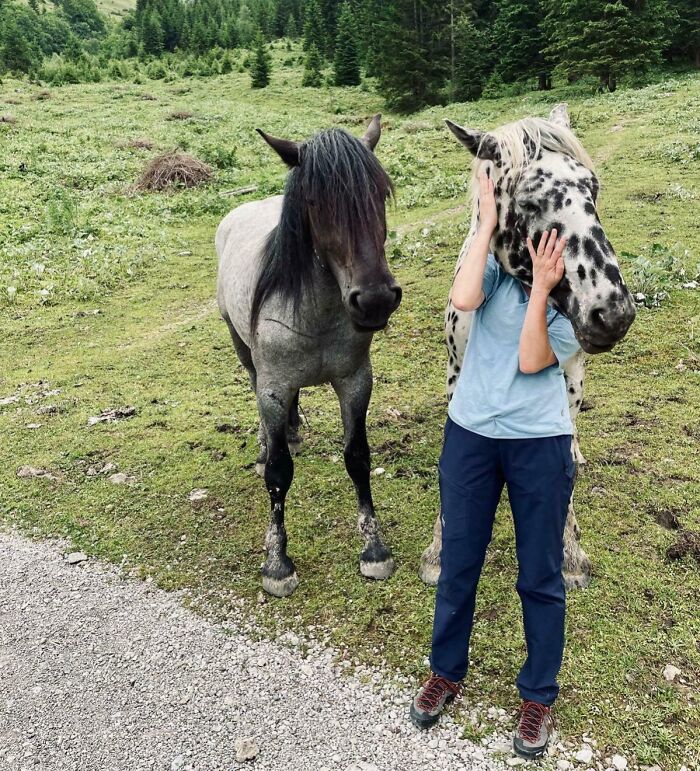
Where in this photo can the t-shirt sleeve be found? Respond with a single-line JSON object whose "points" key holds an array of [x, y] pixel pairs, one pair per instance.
{"points": [[491, 277], [562, 339]]}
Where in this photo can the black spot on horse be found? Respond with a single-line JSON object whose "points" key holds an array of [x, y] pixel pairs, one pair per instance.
{"points": [[589, 208], [599, 235], [593, 252], [451, 340], [567, 202], [613, 275], [499, 241], [558, 227], [573, 244], [581, 272]]}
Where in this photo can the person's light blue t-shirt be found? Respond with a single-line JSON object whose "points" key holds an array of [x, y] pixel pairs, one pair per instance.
{"points": [[493, 397]]}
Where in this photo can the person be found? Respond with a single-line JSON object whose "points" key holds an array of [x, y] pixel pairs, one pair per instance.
{"points": [[508, 424]]}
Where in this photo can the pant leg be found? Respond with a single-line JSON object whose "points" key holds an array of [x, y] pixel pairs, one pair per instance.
{"points": [[471, 482], [540, 475]]}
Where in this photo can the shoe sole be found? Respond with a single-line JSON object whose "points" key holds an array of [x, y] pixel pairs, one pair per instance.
{"points": [[427, 721], [531, 754]]}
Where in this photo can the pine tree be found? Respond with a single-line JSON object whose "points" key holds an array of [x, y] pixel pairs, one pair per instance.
{"points": [[412, 53], [312, 76], [519, 41], [261, 66], [606, 38], [16, 55], [472, 61], [152, 34], [291, 30], [684, 29], [345, 64], [314, 33]]}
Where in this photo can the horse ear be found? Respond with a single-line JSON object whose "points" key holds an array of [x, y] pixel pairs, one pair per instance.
{"points": [[287, 150], [560, 115], [374, 131], [477, 142]]}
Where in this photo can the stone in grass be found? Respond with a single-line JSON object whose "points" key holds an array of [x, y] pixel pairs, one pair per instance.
{"points": [[246, 749], [76, 557], [27, 472], [670, 673], [198, 495], [619, 762], [584, 755], [121, 479]]}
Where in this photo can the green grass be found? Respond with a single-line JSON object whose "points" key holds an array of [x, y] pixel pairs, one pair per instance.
{"points": [[147, 264]]}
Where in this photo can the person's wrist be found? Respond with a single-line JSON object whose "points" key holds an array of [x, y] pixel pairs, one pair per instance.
{"points": [[539, 291]]}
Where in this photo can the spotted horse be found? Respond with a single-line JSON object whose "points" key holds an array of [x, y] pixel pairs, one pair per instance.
{"points": [[544, 179]]}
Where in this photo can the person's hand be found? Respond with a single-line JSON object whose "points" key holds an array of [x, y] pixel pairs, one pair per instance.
{"points": [[547, 261], [488, 214]]}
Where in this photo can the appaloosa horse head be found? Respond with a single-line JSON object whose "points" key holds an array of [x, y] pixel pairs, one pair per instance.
{"points": [[544, 179]]}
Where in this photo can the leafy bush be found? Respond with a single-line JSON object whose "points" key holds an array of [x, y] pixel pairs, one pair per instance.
{"points": [[221, 157], [652, 276]]}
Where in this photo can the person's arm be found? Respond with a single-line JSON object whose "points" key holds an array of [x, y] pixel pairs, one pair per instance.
{"points": [[535, 350], [467, 288]]}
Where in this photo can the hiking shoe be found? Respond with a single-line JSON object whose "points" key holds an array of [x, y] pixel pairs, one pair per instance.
{"points": [[535, 727], [431, 699]]}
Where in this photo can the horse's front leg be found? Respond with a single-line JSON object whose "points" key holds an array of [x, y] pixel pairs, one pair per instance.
{"points": [[354, 393], [279, 576]]}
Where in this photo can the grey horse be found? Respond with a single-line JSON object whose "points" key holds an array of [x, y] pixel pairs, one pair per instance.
{"points": [[303, 285]]}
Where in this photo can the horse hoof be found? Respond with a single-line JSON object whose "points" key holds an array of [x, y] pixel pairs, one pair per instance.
{"points": [[280, 587], [379, 571], [576, 580], [429, 573]]}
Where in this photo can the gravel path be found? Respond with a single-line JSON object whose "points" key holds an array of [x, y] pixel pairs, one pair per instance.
{"points": [[99, 672]]}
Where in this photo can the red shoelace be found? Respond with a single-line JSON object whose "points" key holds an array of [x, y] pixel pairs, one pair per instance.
{"points": [[532, 715], [434, 690]]}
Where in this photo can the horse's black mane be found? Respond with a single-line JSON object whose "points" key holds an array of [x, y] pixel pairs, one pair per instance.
{"points": [[345, 183]]}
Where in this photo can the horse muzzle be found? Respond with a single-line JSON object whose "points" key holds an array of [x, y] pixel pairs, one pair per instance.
{"points": [[603, 327], [371, 306]]}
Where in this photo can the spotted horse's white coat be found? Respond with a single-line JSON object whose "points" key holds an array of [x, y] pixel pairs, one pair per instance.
{"points": [[543, 179]]}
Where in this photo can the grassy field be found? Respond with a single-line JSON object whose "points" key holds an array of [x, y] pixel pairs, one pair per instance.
{"points": [[106, 300]]}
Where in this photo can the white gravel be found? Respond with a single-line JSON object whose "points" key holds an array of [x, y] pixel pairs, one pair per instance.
{"points": [[102, 672]]}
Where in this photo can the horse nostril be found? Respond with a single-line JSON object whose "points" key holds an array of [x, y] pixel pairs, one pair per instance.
{"points": [[598, 317], [398, 292], [354, 299]]}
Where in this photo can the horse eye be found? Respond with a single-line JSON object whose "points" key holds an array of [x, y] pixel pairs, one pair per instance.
{"points": [[530, 206]]}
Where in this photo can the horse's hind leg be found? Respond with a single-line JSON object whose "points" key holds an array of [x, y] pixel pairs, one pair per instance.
{"points": [[279, 576], [354, 393]]}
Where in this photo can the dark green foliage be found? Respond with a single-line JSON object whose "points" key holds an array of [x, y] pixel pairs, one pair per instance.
{"points": [[83, 17], [472, 61], [411, 57], [152, 34], [261, 66], [345, 63], [520, 42], [312, 68], [17, 55], [684, 30], [314, 28], [606, 38], [226, 64]]}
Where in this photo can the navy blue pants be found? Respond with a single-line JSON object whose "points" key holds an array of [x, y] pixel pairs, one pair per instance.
{"points": [[539, 475]]}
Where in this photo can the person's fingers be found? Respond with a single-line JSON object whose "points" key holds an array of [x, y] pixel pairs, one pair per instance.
{"points": [[542, 243], [492, 187], [483, 183], [531, 249], [551, 243], [559, 269], [561, 245]]}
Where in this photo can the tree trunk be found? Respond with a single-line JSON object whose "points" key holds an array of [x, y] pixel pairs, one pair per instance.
{"points": [[697, 57], [612, 82]]}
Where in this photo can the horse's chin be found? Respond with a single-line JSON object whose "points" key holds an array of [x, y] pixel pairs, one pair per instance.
{"points": [[369, 328], [592, 348]]}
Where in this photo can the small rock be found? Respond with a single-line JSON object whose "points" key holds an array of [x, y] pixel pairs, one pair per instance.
{"points": [[27, 472], [109, 416], [515, 761], [584, 755], [246, 749], [619, 762], [33, 426], [121, 479], [76, 557], [178, 763], [563, 765], [198, 495], [378, 471], [670, 673]]}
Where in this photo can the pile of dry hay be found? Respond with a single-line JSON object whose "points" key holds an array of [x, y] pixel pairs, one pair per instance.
{"points": [[173, 169]]}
